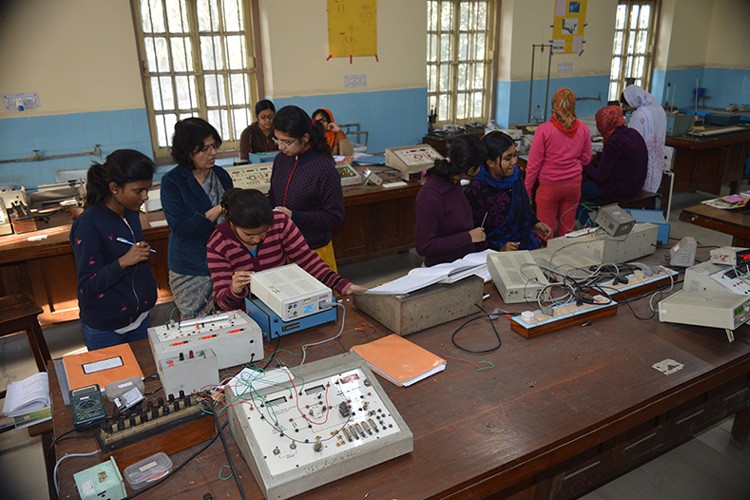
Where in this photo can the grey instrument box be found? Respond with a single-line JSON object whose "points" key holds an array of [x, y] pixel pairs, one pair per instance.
{"points": [[425, 308]]}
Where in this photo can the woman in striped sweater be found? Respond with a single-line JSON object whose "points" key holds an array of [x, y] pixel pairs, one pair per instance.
{"points": [[255, 237]]}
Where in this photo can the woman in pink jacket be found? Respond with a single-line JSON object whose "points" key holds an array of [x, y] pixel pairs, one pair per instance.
{"points": [[560, 149]]}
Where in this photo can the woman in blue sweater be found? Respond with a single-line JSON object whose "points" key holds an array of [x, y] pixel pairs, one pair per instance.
{"points": [[191, 198], [116, 289]]}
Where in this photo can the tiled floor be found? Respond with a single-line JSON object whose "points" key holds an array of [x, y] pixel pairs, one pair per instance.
{"points": [[706, 467]]}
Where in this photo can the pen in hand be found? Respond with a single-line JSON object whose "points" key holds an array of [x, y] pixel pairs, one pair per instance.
{"points": [[128, 242], [485, 219]]}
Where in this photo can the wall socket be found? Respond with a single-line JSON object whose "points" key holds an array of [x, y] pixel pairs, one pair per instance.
{"points": [[21, 102]]}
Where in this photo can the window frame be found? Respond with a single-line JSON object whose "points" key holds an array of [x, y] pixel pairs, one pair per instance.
{"points": [[626, 56], [230, 130], [454, 63]]}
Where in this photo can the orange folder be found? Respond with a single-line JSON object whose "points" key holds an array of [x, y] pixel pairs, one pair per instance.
{"points": [[101, 366], [399, 360]]}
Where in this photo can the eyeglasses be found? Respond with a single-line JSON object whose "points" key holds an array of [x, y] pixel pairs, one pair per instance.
{"points": [[204, 149], [283, 143], [266, 118]]}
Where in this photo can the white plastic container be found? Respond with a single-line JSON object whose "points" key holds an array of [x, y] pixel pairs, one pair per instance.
{"points": [[147, 470]]}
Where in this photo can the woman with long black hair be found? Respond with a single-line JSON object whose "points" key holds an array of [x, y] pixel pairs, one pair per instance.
{"points": [[116, 289], [305, 184]]}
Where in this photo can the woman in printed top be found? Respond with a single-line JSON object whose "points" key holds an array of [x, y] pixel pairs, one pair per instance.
{"points": [[254, 237], [191, 197], [560, 149], [498, 198], [258, 137], [445, 229], [304, 183], [650, 120], [116, 289], [335, 137]]}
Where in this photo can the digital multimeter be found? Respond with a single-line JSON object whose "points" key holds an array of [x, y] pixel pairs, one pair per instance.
{"points": [[87, 406]]}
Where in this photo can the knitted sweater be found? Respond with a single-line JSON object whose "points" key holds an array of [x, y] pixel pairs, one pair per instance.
{"points": [[312, 191], [556, 157], [109, 297], [620, 170], [444, 219], [282, 244], [185, 204]]}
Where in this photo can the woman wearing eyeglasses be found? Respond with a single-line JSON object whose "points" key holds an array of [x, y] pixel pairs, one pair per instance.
{"points": [[191, 198], [445, 230], [258, 137], [499, 200], [253, 238], [304, 183]]}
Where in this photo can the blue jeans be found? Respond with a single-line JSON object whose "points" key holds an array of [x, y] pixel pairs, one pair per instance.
{"points": [[99, 339]]}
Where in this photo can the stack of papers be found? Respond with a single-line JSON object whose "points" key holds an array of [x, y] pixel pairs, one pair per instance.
{"points": [[400, 361], [28, 401], [421, 277]]}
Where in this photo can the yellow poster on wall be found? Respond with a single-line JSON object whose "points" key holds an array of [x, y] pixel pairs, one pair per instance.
{"points": [[352, 28], [567, 30]]}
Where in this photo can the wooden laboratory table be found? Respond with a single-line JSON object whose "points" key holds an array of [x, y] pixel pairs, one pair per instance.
{"points": [[707, 163], [378, 221], [733, 222], [46, 269], [555, 416]]}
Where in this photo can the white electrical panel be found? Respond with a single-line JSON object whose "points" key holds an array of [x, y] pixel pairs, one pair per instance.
{"points": [[291, 292], [251, 176], [234, 337], [605, 249], [328, 419], [349, 176], [516, 275]]}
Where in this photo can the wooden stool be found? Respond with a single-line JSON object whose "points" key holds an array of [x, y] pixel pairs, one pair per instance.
{"points": [[19, 313]]}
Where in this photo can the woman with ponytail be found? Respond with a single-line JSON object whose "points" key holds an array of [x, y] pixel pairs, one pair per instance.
{"points": [[116, 289], [305, 184], [445, 230], [254, 237], [498, 197]]}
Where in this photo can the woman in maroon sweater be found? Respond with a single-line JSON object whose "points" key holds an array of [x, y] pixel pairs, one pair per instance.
{"points": [[255, 237]]}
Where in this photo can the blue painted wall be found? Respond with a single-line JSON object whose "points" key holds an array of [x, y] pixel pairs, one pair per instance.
{"points": [[393, 118], [723, 86], [63, 134], [512, 98]]}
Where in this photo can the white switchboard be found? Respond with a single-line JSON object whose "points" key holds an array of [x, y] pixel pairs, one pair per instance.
{"points": [[326, 420]]}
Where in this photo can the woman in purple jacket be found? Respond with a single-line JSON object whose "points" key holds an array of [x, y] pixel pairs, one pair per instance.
{"points": [[445, 228]]}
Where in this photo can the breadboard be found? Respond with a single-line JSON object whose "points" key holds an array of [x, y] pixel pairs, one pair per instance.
{"points": [[564, 316], [330, 420], [639, 284], [169, 426], [251, 176]]}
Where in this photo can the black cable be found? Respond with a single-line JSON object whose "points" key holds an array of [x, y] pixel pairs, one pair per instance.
{"points": [[229, 456], [183, 464], [275, 350], [482, 351]]}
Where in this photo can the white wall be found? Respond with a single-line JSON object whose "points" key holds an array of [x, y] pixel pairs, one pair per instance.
{"points": [[79, 55], [295, 43], [729, 41]]}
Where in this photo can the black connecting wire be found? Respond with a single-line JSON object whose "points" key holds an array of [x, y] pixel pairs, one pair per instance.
{"points": [[183, 464], [492, 324], [275, 350], [229, 455]]}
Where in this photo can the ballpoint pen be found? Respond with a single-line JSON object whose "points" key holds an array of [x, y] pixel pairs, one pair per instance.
{"points": [[128, 242], [485, 219]]}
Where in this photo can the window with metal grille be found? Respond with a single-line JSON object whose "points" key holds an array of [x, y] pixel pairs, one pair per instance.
{"points": [[459, 51], [633, 47], [196, 61]]}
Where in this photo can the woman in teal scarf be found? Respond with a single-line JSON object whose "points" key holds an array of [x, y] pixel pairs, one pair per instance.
{"points": [[499, 200]]}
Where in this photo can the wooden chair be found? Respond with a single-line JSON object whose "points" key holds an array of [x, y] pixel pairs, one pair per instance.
{"points": [[19, 313]]}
